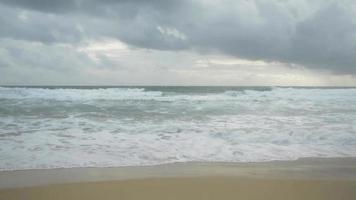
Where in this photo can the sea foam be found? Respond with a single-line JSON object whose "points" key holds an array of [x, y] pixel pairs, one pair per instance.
{"points": [[76, 127]]}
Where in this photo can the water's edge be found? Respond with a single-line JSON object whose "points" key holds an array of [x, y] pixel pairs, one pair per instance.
{"points": [[301, 169]]}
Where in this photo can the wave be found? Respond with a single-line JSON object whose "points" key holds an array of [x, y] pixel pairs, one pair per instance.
{"points": [[72, 127], [67, 94], [77, 94], [78, 142]]}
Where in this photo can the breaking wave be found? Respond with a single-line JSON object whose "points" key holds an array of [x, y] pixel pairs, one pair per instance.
{"points": [[76, 127]]}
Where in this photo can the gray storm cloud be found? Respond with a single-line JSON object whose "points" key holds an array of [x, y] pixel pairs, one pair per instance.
{"points": [[316, 34]]}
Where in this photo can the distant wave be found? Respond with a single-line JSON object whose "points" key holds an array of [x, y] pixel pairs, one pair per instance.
{"points": [[77, 94], [69, 94]]}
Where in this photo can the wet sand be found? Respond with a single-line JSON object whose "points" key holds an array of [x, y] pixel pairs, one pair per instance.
{"points": [[333, 178]]}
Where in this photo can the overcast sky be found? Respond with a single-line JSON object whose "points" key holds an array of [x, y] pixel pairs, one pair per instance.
{"points": [[178, 42]]}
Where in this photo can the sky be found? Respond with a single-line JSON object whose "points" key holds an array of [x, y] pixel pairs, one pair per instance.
{"points": [[178, 42]]}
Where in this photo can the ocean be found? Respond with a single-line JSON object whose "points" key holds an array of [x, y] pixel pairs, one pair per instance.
{"points": [[63, 127]]}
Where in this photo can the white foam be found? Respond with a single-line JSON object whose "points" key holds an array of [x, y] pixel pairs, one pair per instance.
{"points": [[234, 126], [77, 94]]}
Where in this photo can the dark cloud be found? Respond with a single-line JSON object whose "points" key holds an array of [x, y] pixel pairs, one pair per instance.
{"points": [[316, 34], [36, 26], [327, 40], [97, 7], [43, 5]]}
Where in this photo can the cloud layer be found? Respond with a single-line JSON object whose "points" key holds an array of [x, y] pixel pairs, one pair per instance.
{"points": [[316, 34]]}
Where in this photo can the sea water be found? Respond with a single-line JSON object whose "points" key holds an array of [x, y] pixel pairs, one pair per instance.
{"points": [[60, 127]]}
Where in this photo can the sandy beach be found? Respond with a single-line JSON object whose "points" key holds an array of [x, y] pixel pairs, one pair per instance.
{"points": [[177, 100], [332, 178]]}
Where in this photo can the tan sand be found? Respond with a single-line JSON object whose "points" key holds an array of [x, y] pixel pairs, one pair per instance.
{"points": [[305, 179], [191, 188]]}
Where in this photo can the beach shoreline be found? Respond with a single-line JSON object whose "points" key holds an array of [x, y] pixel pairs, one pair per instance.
{"points": [[308, 178]]}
